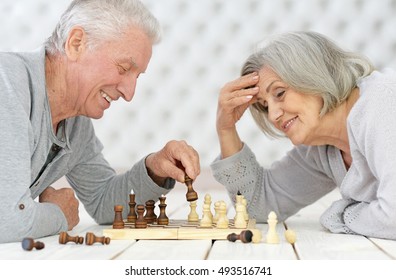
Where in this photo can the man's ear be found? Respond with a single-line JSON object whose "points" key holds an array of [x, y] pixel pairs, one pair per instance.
{"points": [[75, 43]]}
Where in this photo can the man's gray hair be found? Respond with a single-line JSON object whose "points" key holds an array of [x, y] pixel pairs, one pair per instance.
{"points": [[103, 20], [310, 63]]}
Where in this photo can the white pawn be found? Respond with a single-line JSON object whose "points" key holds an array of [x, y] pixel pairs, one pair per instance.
{"points": [[216, 208], [208, 201], [272, 236], [193, 216], [223, 220], [239, 221], [206, 220]]}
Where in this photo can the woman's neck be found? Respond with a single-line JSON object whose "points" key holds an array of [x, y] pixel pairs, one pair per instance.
{"points": [[334, 130]]}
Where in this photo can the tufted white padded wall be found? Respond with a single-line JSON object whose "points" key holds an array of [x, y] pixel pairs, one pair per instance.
{"points": [[204, 45]]}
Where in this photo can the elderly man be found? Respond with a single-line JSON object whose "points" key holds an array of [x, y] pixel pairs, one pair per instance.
{"points": [[94, 57]]}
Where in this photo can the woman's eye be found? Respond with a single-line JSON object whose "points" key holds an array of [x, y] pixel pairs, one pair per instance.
{"points": [[279, 94]]}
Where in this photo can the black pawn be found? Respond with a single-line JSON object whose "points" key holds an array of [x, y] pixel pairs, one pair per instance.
{"points": [[140, 221], [245, 236], [150, 216], [28, 244]]}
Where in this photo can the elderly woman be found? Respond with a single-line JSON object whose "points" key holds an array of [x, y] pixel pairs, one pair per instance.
{"points": [[48, 97], [340, 115]]}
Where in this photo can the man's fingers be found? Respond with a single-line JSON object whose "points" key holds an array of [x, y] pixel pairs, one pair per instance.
{"points": [[47, 192]]}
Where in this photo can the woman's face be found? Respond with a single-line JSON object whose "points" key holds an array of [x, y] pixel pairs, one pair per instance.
{"points": [[294, 113]]}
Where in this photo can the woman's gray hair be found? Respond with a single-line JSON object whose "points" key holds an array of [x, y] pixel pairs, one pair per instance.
{"points": [[102, 20], [310, 63]]}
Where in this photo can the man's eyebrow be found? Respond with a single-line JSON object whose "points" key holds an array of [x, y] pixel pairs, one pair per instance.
{"points": [[134, 64]]}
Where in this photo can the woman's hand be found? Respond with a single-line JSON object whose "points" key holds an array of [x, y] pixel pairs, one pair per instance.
{"points": [[235, 97]]}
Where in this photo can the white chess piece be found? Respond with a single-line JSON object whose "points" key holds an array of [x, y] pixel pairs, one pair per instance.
{"points": [[246, 214], [216, 209], [193, 216], [239, 220], [272, 236], [208, 201], [206, 220], [223, 220], [238, 200], [290, 236]]}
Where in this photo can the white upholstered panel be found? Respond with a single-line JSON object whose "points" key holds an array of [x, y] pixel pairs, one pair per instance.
{"points": [[204, 44]]}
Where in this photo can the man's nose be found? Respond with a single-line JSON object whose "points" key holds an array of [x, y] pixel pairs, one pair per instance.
{"points": [[127, 87]]}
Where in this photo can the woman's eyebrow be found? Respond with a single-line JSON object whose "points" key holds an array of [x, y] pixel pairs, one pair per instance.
{"points": [[270, 85]]}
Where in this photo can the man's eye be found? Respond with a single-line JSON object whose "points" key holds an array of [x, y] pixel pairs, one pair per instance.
{"points": [[122, 69]]}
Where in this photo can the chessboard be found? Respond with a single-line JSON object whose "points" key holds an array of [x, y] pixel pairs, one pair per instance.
{"points": [[177, 229]]}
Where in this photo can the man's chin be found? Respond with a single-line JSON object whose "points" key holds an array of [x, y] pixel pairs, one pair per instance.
{"points": [[96, 115]]}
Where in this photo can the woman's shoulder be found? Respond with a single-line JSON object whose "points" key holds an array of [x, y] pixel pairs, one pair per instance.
{"points": [[378, 80], [377, 94]]}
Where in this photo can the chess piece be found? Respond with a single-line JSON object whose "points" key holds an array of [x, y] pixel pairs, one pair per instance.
{"points": [[239, 220], [91, 238], [222, 222], [191, 194], [132, 212], [193, 216], [118, 220], [272, 236], [150, 216], [162, 218], [246, 214], [65, 238], [28, 244], [238, 201], [206, 220], [238, 197], [257, 236], [208, 201], [140, 220], [245, 236], [216, 209], [290, 236]]}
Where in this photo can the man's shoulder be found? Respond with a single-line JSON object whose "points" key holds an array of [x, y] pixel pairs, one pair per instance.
{"points": [[18, 68]]}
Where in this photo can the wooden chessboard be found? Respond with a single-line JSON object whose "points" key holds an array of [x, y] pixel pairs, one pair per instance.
{"points": [[176, 229]]}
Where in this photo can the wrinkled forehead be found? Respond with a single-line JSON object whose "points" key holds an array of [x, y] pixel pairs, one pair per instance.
{"points": [[134, 47], [267, 78]]}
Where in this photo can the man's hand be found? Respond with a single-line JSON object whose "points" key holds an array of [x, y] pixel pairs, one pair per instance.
{"points": [[175, 160], [66, 201]]}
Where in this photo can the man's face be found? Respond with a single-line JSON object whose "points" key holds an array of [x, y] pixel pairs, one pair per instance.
{"points": [[109, 72]]}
